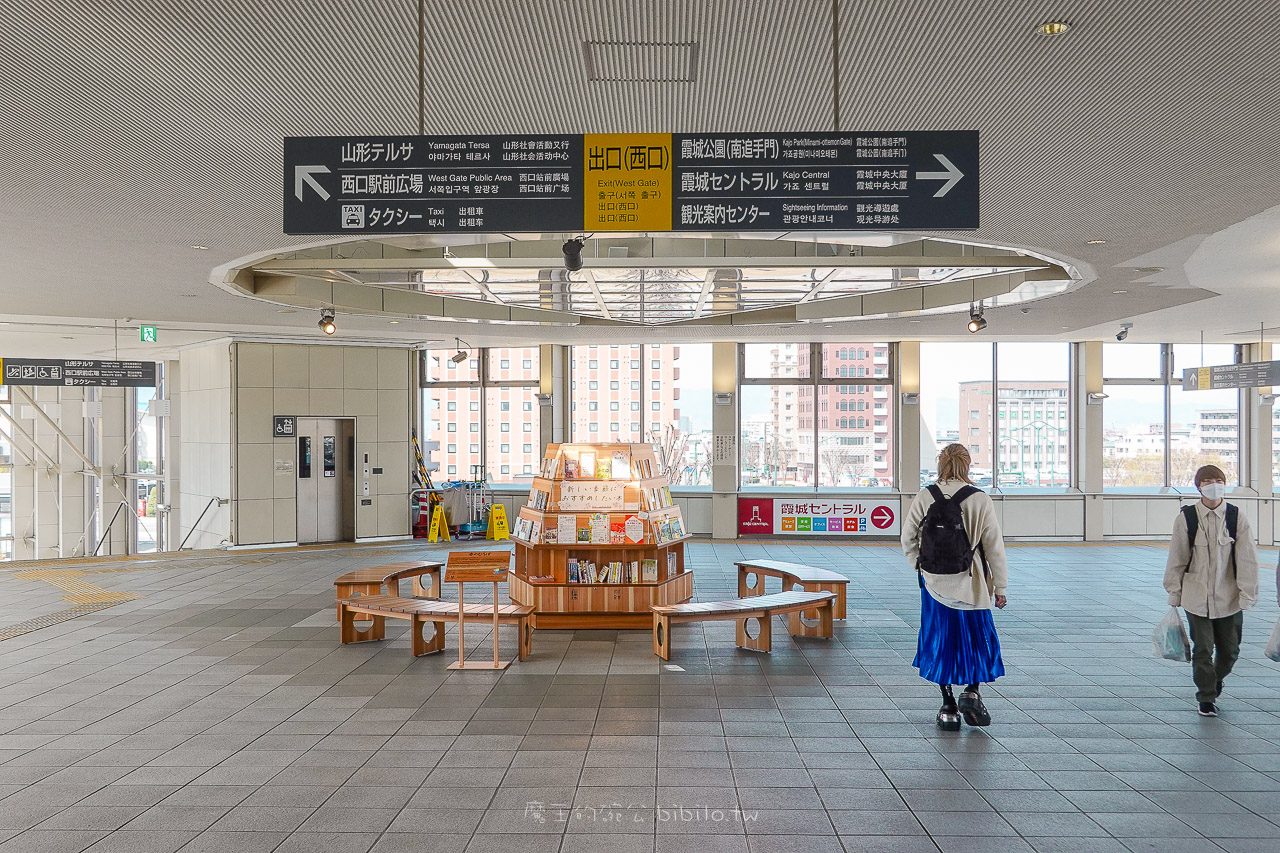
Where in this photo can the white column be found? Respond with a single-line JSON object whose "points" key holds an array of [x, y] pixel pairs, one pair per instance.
{"points": [[724, 427], [908, 420], [1087, 365], [113, 431]]}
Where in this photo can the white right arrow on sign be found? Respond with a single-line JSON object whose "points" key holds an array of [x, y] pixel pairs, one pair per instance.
{"points": [[307, 174], [952, 176]]}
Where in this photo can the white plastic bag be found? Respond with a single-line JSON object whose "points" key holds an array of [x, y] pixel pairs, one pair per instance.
{"points": [[1273, 643], [1170, 638]]}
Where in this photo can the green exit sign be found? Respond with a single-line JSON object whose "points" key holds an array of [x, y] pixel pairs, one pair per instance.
{"points": [[148, 335]]}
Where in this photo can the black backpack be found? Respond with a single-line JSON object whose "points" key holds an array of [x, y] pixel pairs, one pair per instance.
{"points": [[1193, 527], [944, 544]]}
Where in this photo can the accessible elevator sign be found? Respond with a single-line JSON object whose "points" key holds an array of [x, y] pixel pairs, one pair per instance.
{"points": [[100, 374], [631, 182]]}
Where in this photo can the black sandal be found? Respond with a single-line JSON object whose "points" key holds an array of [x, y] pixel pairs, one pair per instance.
{"points": [[974, 712]]}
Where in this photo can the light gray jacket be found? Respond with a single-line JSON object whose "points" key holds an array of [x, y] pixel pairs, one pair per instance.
{"points": [[1200, 591]]}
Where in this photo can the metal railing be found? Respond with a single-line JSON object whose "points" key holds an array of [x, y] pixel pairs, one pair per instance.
{"points": [[196, 526], [107, 532]]}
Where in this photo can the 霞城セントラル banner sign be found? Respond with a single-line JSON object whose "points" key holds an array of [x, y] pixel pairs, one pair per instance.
{"points": [[663, 182], [818, 517]]}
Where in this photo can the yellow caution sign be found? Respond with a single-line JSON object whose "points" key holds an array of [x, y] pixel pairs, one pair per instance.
{"points": [[498, 529], [628, 184], [439, 527]]}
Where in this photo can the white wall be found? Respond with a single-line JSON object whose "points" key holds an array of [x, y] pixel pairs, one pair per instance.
{"points": [[372, 385], [204, 422]]}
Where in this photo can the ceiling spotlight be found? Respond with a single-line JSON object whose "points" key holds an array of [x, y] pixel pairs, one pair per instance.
{"points": [[572, 250], [976, 321], [1053, 28], [326, 324], [461, 355], [1124, 331]]}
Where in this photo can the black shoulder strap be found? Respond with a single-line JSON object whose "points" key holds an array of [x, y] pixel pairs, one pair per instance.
{"points": [[1233, 519], [964, 492], [1193, 527], [937, 493]]}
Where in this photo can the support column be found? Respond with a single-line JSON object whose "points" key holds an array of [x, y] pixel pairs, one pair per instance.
{"points": [[553, 379], [113, 432], [1087, 376], [26, 474], [909, 440], [724, 431], [48, 496], [171, 489], [73, 482], [1257, 406]]}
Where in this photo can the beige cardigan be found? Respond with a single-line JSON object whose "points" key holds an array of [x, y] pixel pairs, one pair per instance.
{"points": [[972, 591]]}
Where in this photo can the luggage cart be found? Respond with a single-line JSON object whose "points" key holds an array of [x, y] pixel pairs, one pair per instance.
{"points": [[478, 498]]}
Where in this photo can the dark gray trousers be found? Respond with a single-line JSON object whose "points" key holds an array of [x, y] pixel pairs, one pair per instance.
{"points": [[1207, 637]]}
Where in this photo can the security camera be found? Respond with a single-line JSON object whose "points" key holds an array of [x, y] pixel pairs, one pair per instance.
{"points": [[1124, 331], [572, 250]]}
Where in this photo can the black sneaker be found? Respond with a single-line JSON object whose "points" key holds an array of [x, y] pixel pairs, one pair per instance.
{"points": [[949, 717], [1207, 709], [974, 712]]}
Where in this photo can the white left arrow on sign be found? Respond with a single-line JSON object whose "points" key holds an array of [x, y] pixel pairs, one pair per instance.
{"points": [[307, 174], [952, 176]]}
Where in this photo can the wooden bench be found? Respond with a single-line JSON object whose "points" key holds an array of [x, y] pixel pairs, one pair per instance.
{"points": [[762, 608], [420, 613], [372, 580], [793, 575]]}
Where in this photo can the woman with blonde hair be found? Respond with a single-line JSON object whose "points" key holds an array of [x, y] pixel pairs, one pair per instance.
{"points": [[952, 539]]}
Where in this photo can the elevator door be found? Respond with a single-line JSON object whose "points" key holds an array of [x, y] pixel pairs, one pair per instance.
{"points": [[326, 479]]}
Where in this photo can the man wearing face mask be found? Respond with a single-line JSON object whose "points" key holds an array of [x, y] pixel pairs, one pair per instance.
{"points": [[1212, 573]]}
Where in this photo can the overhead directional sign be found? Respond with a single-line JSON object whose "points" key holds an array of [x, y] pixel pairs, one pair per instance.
{"points": [[631, 182], [102, 374], [1257, 374]]}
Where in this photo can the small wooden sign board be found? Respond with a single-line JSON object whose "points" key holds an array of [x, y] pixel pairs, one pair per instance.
{"points": [[471, 566], [468, 566]]}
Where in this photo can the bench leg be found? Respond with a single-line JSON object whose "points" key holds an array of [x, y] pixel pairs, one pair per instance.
{"points": [[354, 590], [419, 644], [819, 617], [424, 591], [662, 636], [348, 632], [762, 641], [525, 645], [745, 590], [841, 611]]}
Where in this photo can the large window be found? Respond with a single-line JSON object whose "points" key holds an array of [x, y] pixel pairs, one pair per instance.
{"points": [[7, 462], [658, 393], [1154, 433], [816, 416], [1008, 403], [481, 423]]}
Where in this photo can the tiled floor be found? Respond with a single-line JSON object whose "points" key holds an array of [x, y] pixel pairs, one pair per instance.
{"points": [[220, 713]]}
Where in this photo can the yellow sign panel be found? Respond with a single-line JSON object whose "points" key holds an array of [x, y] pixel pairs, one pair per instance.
{"points": [[497, 523], [439, 526], [628, 182]]}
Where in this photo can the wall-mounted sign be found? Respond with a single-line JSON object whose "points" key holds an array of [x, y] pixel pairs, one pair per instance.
{"points": [[101, 374], [1257, 374], [631, 182], [284, 426], [818, 517]]}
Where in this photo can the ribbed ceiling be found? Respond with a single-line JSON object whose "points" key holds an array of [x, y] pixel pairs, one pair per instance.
{"points": [[132, 130]]}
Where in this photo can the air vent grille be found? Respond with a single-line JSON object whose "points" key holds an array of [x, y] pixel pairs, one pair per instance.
{"points": [[641, 61]]}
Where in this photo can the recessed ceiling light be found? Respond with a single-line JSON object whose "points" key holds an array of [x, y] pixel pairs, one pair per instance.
{"points": [[285, 311], [1095, 242], [394, 322], [1119, 291], [913, 321], [1053, 28], [202, 248], [1150, 269]]}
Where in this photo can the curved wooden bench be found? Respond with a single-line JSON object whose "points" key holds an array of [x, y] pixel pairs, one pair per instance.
{"points": [[420, 612], [761, 607], [372, 580], [793, 575]]}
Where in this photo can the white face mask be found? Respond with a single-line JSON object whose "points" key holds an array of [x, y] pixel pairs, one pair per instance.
{"points": [[1214, 491]]}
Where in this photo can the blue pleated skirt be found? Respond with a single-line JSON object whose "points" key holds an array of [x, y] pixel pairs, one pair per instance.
{"points": [[956, 646]]}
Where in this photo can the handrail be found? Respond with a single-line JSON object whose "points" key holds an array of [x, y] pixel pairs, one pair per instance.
{"points": [[194, 527], [107, 531]]}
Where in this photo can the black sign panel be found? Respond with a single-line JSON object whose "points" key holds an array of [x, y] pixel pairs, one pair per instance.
{"points": [[656, 182], [1256, 374], [432, 184], [103, 374], [284, 426], [826, 181]]}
